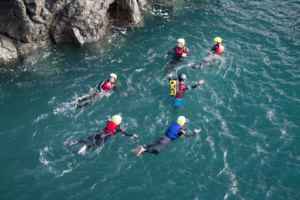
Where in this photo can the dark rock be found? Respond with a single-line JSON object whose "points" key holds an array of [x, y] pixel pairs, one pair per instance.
{"points": [[30, 24], [126, 10]]}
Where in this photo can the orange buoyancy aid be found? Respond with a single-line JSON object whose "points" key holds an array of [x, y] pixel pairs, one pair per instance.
{"points": [[110, 128], [179, 51], [180, 91], [107, 86], [220, 49]]}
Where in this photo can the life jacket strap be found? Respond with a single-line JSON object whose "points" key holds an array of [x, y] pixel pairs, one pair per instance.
{"points": [[173, 133], [111, 133]]}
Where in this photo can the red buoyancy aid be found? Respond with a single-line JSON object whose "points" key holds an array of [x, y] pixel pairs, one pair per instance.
{"points": [[220, 49], [107, 86], [179, 51], [110, 128], [180, 91]]}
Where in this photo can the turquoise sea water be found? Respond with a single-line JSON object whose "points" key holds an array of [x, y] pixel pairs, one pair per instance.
{"points": [[248, 109]]}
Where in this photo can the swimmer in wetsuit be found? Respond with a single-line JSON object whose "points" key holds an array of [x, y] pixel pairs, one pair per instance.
{"points": [[182, 86], [180, 50], [104, 86], [111, 129], [173, 132], [215, 53]]}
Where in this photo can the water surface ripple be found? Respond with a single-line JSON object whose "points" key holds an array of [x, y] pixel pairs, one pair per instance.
{"points": [[248, 109]]}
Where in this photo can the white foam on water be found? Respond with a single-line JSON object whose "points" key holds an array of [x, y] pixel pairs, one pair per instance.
{"points": [[42, 116]]}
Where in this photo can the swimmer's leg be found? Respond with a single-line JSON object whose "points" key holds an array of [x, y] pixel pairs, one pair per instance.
{"points": [[214, 60], [162, 142], [82, 105], [100, 139], [91, 138], [159, 148], [153, 151], [206, 60], [85, 97], [154, 142], [202, 63], [89, 95]]}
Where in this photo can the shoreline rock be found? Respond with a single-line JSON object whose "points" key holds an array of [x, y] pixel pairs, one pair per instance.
{"points": [[27, 25]]}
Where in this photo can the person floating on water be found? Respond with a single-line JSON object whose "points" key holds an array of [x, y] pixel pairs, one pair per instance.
{"points": [[104, 86], [180, 50], [215, 53], [173, 132], [177, 88], [111, 129]]}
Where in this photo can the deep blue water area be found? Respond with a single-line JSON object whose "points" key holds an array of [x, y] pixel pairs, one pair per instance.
{"points": [[248, 109]]}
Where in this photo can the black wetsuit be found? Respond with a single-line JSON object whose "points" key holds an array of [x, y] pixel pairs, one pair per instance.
{"points": [[215, 47], [164, 141], [92, 93], [101, 137], [185, 87], [212, 57]]}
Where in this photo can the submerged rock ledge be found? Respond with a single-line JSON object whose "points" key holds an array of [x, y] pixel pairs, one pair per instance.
{"points": [[26, 25]]}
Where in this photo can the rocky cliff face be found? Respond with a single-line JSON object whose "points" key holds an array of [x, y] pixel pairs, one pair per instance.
{"points": [[26, 25]]}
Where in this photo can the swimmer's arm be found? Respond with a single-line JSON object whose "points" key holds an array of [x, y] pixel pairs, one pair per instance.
{"points": [[100, 85], [181, 132], [214, 48], [199, 83], [115, 87], [186, 87], [186, 52], [190, 136], [108, 119], [118, 129], [170, 52]]}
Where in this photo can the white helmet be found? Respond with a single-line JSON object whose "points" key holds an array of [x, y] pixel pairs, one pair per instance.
{"points": [[116, 119], [113, 75], [181, 120], [182, 41]]}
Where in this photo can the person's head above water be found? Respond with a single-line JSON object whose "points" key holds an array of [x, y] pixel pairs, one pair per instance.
{"points": [[180, 42], [116, 119], [181, 120], [181, 77], [112, 77], [217, 40]]}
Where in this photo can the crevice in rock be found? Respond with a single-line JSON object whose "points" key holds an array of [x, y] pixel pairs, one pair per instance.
{"points": [[112, 11], [56, 18], [28, 12], [117, 13], [5, 34]]}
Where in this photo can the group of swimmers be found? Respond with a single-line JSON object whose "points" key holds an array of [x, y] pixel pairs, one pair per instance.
{"points": [[177, 88]]}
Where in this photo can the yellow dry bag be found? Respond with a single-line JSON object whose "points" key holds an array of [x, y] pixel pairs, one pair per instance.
{"points": [[173, 88]]}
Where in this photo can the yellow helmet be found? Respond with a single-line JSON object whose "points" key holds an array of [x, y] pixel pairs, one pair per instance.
{"points": [[182, 41], [113, 75], [116, 119], [218, 40], [181, 120]]}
